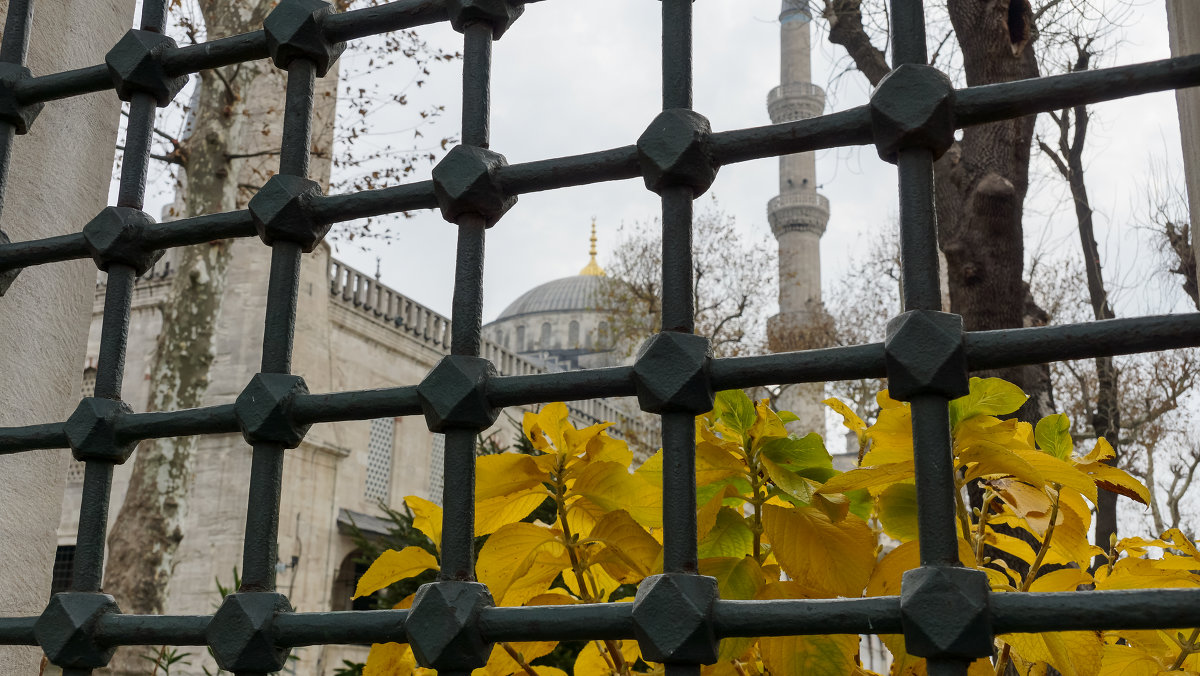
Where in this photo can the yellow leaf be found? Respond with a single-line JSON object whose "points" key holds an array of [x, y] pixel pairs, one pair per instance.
{"points": [[1115, 480], [788, 481], [1064, 579], [594, 659], [393, 566], [502, 510], [427, 518], [510, 554], [1072, 653], [1124, 660], [629, 553], [505, 474], [1183, 542], [1100, 452], [1015, 546], [891, 437], [849, 418], [1060, 472], [830, 655], [1133, 573], [988, 396], [610, 486], [835, 558], [896, 508], [869, 477], [706, 514], [501, 663], [739, 578], [603, 448], [987, 459], [1024, 500], [554, 597], [390, 659]]}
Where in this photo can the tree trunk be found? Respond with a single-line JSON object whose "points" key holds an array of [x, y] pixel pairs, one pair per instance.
{"points": [[149, 526]]}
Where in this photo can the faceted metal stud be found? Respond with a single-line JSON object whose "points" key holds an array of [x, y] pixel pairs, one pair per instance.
{"points": [[671, 374], [282, 211], [293, 31], [19, 115], [674, 150], [135, 65], [499, 14], [264, 409], [945, 613], [115, 236], [66, 630], [92, 431], [454, 394], [242, 633], [465, 182], [913, 107], [924, 354], [672, 618], [443, 627]]}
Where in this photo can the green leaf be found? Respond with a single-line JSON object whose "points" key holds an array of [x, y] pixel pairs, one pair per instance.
{"points": [[789, 482], [898, 511], [1053, 435], [797, 453], [988, 396], [735, 409], [729, 537]]}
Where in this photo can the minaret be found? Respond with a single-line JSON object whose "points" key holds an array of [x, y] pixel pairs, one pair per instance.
{"points": [[798, 217], [592, 269]]}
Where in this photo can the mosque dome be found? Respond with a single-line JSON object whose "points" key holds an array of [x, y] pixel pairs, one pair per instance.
{"points": [[569, 294]]}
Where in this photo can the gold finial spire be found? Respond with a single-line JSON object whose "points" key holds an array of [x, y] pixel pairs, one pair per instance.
{"points": [[593, 268]]}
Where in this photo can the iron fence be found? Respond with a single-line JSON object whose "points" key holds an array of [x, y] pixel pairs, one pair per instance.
{"points": [[945, 612]]}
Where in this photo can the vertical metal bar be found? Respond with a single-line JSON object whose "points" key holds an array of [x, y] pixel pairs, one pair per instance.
{"points": [[261, 545], [678, 311], [13, 49], [466, 333], [677, 54], [114, 335], [679, 493], [908, 32], [918, 231], [936, 521], [477, 88]]}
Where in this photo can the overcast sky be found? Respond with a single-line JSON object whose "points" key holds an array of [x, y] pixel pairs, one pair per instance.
{"points": [[574, 76]]}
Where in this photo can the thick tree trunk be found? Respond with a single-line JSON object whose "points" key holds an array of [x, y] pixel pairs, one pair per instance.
{"points": [[150, 524]]}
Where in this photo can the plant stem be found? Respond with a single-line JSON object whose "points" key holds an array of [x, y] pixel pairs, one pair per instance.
{"points": [[964, 519], [1002, 660], [984, 513], [516, 656], [1185, 650]]}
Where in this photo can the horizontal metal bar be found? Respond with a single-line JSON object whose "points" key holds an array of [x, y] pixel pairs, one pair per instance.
{"points": [[605, 165], [16, 439], [120, 629], [616, 381], [62, 85], [992, 103], [821, 365], [187, 422], [846, 128], [393, 16], [1042, 344], [17, 631], [40, 251], [350, 626], [347, 207], [198, 229], [391, 402], [216, 53], [1124, 609], [877, 615], [587, 621]]}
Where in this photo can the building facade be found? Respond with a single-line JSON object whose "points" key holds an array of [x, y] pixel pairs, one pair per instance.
{"points": [[352, 333]]}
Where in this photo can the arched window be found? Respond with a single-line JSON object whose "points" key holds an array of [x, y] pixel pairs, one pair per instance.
{"points": [[520, 339], [602, 336], [545, 336], [573, 335], [346, 581]]}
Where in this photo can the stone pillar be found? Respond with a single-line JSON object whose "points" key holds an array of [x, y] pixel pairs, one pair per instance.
{"points": [[59, 180], [1183, 22], [798, 217]]}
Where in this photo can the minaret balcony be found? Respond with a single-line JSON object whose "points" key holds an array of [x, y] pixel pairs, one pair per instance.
{"points": [[798, 211], [795, 101]]}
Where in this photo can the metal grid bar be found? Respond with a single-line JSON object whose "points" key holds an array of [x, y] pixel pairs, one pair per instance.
{"points": [[461, 411]]}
